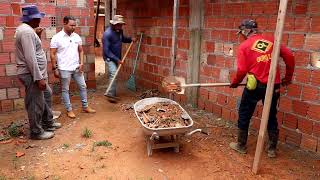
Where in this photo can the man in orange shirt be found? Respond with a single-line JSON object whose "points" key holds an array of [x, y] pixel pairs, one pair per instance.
{"points": [[254, 59]]}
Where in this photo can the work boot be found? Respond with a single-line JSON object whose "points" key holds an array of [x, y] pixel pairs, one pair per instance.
{"points": [[71, 114], [88, 110], [43, 136], [54, 126], [272, 144], [240, 146]]}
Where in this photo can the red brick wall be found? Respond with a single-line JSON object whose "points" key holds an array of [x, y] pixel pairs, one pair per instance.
{"points": [[11, 90], [299, 107]]}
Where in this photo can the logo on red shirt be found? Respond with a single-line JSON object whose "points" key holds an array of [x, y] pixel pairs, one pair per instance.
{"points": [[262, 46]]}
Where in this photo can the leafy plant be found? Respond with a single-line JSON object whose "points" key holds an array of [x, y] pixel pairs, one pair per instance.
{"points": [[87, 133]]}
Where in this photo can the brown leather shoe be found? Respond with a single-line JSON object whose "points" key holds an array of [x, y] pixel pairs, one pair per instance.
{"points": [[88, 110], [71, 114]]}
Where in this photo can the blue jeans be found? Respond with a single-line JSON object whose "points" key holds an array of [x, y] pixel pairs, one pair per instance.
{"points": [[78, 77], [112, 66]]}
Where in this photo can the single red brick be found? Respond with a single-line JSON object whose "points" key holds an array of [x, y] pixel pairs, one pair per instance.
{"points": [[285, 104], [300, 107], [7, 105], [222, 99], [313, 111], [302, 75], [310, 93], [4, 58], [315, 78], [292, 137], [294, 90], [226, 113], [305, 125], [309, 143], [217, 110], [290, 121]]}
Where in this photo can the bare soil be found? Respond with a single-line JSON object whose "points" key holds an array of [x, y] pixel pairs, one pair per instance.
{"points": [[71, 156]]}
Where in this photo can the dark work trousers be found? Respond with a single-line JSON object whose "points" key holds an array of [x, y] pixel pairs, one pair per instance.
{"points": [[39, 112], [248, 104]]}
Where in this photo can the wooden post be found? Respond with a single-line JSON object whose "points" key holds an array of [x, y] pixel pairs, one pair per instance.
{"points": [[270, 85], [107, 13], [96, 23], [114, 8], [174, 36], [195, 23]]}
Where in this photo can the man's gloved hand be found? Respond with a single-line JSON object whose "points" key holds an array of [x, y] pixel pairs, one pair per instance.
{"points": [[234, 85], [120, 62], [285, 82]]}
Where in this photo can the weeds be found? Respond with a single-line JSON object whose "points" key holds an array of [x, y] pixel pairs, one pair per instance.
{"points": [[87, 133], [66, 146], [14, 130], [3, 178], [104, 143]]}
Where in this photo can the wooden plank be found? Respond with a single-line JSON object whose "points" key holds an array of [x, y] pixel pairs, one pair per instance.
{"points": [[270, 85], [195, 23], [174, 36], [114, 7], [107, 12], [96, 23]]}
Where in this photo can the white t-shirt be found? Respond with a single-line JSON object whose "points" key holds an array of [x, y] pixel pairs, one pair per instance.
{"points": [[67, 50]]}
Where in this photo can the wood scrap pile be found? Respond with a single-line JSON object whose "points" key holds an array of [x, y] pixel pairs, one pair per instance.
{"points": [[164, 115]]}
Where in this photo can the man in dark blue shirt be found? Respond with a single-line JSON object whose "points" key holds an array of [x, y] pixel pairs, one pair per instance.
{"points": [[112, 41]]}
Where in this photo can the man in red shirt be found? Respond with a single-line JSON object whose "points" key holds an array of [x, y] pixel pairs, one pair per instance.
{"points": [[254, 59]]}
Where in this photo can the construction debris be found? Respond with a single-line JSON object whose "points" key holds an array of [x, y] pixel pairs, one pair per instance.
{"points": [[149, 93], [164, 115]]}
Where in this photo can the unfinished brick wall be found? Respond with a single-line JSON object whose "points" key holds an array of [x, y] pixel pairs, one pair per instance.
{"points": [[299, 107], [11, 90]]}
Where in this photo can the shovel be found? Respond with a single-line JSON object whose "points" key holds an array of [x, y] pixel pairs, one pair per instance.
{"points": [[119, 67], [178, 84], [131, 84]]}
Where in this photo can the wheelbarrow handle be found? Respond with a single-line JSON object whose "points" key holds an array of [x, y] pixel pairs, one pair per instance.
{"points": [[207, 84]]}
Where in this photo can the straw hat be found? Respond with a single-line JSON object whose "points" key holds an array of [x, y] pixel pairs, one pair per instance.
{"points": [[117, 19]]}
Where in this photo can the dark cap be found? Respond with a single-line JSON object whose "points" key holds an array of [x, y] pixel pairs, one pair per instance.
{"points": [[248, 24]]}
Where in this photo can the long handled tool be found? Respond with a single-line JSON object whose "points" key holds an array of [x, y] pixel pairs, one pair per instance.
{"points": [[116, 74], [178, 84], [131, 84]]}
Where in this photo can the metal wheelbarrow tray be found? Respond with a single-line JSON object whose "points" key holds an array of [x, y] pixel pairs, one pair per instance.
{"points": [[153, 134]]}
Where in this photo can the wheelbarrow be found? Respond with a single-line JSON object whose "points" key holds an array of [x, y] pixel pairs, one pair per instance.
{"points": [[152, 135]]}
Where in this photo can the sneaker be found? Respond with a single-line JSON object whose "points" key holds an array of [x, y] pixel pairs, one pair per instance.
{"points": [[53, 127], [88, 110], [71, 114], [43, 136], [56, 114]]}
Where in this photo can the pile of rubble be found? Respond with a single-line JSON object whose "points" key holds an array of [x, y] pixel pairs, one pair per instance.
{"points": [[164, 115]]}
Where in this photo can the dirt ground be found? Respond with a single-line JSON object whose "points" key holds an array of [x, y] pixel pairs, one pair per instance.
{"points": [[70, 156]]}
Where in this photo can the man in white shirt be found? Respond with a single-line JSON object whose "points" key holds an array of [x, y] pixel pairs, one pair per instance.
{"points": [[66, 51]]}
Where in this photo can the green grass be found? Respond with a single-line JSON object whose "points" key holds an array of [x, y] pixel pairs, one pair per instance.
{"points": [[104, 143], [87, 133], [14, 130]]}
